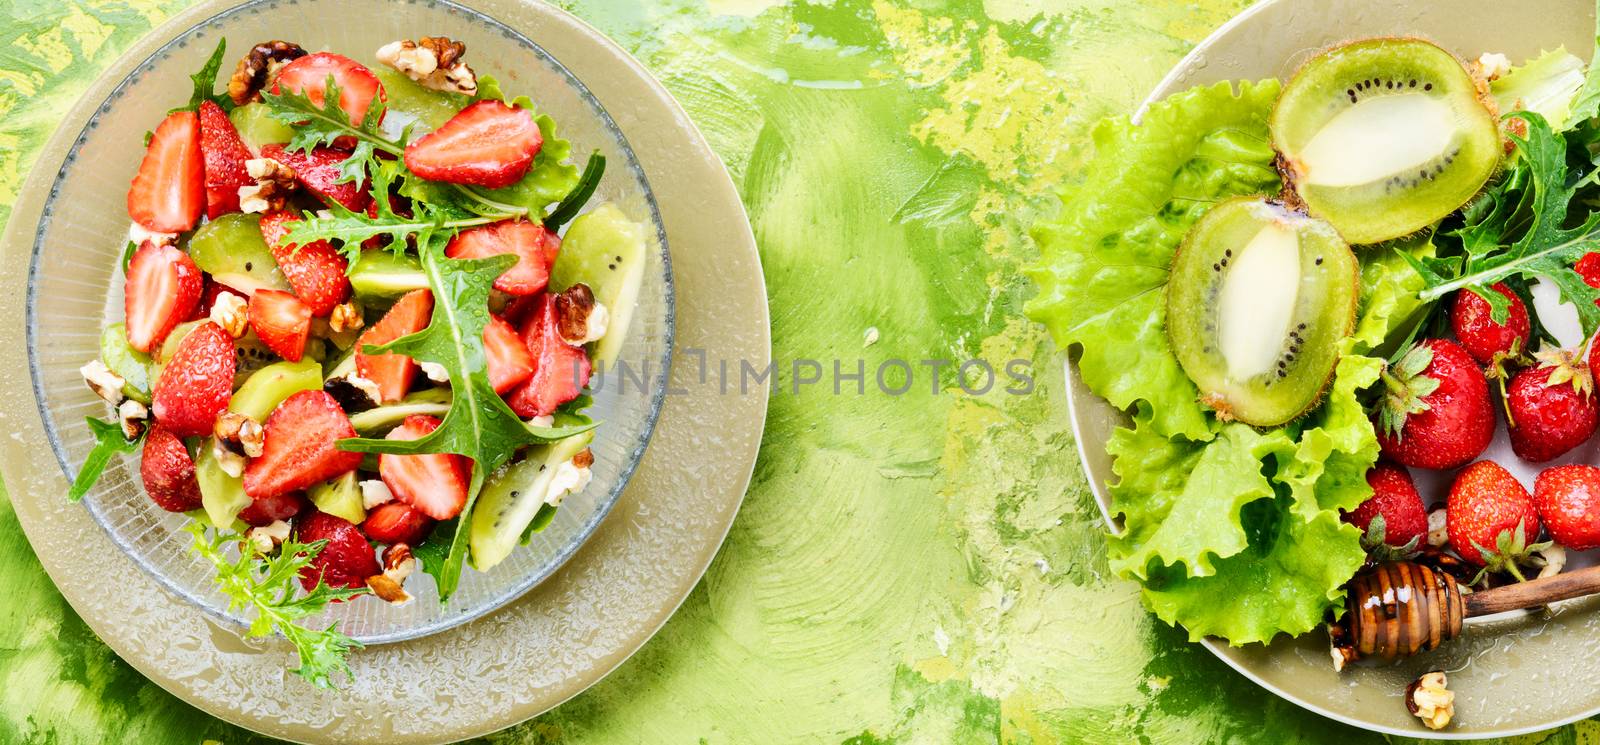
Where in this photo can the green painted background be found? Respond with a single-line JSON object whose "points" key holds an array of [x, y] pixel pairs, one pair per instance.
{"points": [[917, 569]]}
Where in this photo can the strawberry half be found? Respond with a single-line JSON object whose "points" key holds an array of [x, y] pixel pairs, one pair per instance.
{"points": [[560, 370], [309, 75], [510, 362], [195, 386], [346, 560], [435, 484], [269, 510], [301, 446], [282, 322], [318, 171], [395, 522], [162, 290], [169, 191], [393, 373], [534, 246], [316, 271], [168, 471], [225, 155], [486, 144]]}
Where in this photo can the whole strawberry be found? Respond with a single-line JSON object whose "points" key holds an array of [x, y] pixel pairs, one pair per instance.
{"points": [[1488, 342], [346, 560], [1568, 500], [1491, 518], [1552, 407], [1393, 519], [1435, 411]]}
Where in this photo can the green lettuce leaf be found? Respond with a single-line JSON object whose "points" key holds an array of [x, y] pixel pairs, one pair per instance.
{"points": [[1546, 85], [1105, 255]]}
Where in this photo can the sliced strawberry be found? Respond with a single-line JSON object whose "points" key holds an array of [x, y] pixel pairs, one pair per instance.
{"points": [[435, 484], [318, 171], [301, 446], [282, 322], [510, 362], [269, 510], [162, 290], [316, 270], [393, 373], [346, 560], [169, 191], [225, 155], [560, 370], [168, 471], [195, 386], [395, 522], [486, 144], [309, 75], [535, 247]]}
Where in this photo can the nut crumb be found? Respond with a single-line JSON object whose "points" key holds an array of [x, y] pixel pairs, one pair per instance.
{"points": [[432, 61], [398, 564], [580, 319], [274, 182], [266, 539], [374, 492], [132, 415], [346, 317], [259, 67], [1429, 698], [239, 433], [105, 383], [232, 313], [1438, 527]]}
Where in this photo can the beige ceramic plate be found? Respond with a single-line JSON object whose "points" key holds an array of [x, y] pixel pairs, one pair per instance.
{"points": [[1511, 675], [563, 635]]}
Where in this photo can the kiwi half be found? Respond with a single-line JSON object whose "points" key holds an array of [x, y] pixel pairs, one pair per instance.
{"points": [[1382, 137], [1257, 301]]}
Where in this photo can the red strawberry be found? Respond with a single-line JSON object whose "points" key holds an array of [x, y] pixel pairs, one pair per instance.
{"points": [[269, 510], [309, 75], [301, 446], [393, 373], [1552, 407], [1486, 508], [1436, 411], [169, 191], [225, 155], [196, 385], [394, 522], [163, 289], [534, 246], [1394, 515], [486, 144], [346, 560], [560, 370], [510, 362], [282, 322], [316, 271], [1568, 500], [318, 171], [435, 484], [168, 471], [1589, 268], [1488, 342]]}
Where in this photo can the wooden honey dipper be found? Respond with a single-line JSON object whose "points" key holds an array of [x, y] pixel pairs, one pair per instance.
{"points": [[1400, 608]]}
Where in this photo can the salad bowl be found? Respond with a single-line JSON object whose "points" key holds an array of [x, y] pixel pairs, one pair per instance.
{"points": [[1518, 672], [74, 289]]}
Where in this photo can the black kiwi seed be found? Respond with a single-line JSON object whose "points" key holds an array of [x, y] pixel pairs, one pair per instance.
{"points": [[1319, 261], [1428, 87], [247, 266]]}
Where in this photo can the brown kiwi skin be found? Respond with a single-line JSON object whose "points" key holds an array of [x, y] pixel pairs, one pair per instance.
{"points": [[1290, 196], [1209, 399]]}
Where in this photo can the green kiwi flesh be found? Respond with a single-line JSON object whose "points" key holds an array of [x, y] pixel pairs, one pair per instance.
{"points": [[1258, 299], [1383, 137]]}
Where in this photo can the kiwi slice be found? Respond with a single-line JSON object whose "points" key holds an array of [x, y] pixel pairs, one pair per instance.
{"points": [[231, 249], [606, 251], [1383, 137], [1258, 299]]}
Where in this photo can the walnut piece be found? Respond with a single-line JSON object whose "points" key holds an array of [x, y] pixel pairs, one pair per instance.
{"points": [[231, 461], [132, 415], [397, 566], [267, 538], [1438, 527], [105, 383], [432, 61], [374, 492], [259, 67], [1550, 561], [1430, 700], [239, 433], [274, 182], [346, 317], [232, 313], [580, 319]]}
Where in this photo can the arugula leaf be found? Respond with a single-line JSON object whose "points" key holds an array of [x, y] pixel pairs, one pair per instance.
{"points": [[1544, 248], [127, 255], [323, 125], [270, 586], [1104, 257], [434, 549], [205, 82], [593, 171], [109, 441], [479, 424]]}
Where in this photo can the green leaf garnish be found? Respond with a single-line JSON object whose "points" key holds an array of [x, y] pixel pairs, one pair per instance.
{"points": [[269, 586], [109, 441], [593, 171], [205, 82], [127, 255]]}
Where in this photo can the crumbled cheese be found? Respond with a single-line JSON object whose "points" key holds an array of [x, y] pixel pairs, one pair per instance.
{"points": [[546, 421], [139, 234], [267, 538], [435, 371], [1493, 65], [374, 493], [568, 479], [595, 325]]}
